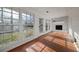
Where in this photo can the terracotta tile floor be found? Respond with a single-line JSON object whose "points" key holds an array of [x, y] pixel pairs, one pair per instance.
{"points": [[50, 42]]}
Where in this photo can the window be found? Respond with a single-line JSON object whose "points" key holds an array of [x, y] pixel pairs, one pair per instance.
{"points": [[16, 28], [15, 17], [14, 12], [24, 18], [6, 15], [6, 26], [7, 21], [6, 10], [0, 8], [1, 28], [7, 29], [0, 16], [12, 27], [15, 23], [0, 13], [7, 37], [32, 20], [1, 38], [46, 26], [28, 19], [27, 24], [41, 24]]}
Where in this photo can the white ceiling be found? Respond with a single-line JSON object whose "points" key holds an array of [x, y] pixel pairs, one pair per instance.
{"points": [[53, 12]]}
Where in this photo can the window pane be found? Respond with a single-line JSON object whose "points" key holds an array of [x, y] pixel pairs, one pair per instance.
{"points": [[0, 17], [16, 32], [5, 9], [14, 12], [1, 38], [1, 28], [6, 15], [7, 21], [0, 8], [41, 24], [46, 26], [29, 31], [24, 21], [15, 16], [28, 18], [16, 28], [32, 20], [8, 37], [7, 28], [23, 14], [15, 21], [0, 13], [24, 18], [0, 21], [1, 34]]}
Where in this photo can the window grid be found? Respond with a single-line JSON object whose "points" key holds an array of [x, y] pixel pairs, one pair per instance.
{"points": [[9, 30]]}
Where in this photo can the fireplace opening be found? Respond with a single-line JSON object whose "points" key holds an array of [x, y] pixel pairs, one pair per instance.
{"points": [[58, 27]]}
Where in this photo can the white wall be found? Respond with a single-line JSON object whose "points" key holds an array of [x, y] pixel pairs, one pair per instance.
{"points": [[73, 14]]}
